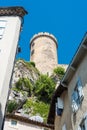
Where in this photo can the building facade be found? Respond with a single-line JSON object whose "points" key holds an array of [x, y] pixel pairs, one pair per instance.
{"points": [[10, 24], [68, 109], [20, 123]]}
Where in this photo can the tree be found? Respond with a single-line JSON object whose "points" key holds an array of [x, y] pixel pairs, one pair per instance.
{"points": [[44, 88]]}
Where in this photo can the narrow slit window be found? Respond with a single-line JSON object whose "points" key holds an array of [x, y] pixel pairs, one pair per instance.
{"points": [[32, 52]]}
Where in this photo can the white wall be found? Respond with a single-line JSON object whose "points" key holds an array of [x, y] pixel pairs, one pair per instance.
{"points": [[20, 126], [8, 45]]}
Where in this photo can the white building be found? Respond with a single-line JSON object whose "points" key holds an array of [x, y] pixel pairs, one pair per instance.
{"points": [[15, 122], [10, 24]]}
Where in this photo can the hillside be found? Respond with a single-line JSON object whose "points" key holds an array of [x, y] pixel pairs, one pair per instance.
{"points": [[30, 92]]}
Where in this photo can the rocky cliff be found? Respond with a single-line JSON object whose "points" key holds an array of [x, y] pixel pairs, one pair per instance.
{"points": [[31, 92], [22, 99]]}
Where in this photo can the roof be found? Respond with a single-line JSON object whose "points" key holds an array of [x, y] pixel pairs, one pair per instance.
{"points": [[29, 121], [79, 55], [13, 11]]}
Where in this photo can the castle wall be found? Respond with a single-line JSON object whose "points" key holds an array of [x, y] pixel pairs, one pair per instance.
{"points": [[44, 53]]}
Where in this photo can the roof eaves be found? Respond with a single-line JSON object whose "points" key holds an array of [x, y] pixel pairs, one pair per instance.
{"points": [[77, 58]]}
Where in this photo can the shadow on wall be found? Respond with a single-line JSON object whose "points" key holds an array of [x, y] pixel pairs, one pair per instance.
{"points": [[1, 119]]}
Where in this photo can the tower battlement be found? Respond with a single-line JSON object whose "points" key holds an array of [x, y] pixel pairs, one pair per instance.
{"points": [[44, 34]]}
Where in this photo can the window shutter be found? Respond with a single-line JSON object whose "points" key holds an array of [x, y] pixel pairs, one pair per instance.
{"points": [[86, 123], [81, 94], [60, 103], [80, 90], [75, 96], [79, 128], [74, 106], [79, 83], [64, 127]]}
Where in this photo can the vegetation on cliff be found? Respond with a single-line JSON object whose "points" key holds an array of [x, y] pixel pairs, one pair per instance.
{"points": [[33, 96], [44, 88], [59, 71]]}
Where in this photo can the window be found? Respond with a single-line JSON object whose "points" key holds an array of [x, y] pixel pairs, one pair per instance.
{"points": [[59, 106], [13, 122], [2, 27], [77, 96], [33, 44], [83, 124], [64, 127], [32, 52]]}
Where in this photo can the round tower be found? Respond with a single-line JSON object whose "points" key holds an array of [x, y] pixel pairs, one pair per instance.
{"points": [[44, 52]]}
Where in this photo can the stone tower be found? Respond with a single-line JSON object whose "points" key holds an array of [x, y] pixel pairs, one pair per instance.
{"points": [[10, 26], [44, 52]]}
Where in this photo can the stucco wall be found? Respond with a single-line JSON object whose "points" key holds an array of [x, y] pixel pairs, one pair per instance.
{"points": [[20, 126], [65, 118], [82, 73], [72, 122], [8, 45]]}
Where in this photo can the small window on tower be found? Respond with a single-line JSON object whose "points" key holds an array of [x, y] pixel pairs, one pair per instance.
{"points": [[33, 44], [32, 52], [2, 27]]}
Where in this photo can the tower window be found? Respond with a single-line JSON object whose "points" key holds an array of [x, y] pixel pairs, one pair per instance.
{"points": [[33, 44], [32, 52], [2, 27]]}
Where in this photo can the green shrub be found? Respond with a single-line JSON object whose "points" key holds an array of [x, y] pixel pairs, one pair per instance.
{"points": [[24, 82], [32, 63], [60, 71], [11, 106], [44, 88], [37, 107]]}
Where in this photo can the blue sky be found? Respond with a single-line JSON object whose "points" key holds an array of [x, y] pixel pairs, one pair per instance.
{"points": [[65, 19]]}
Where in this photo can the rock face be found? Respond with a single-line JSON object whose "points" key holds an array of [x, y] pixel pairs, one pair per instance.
{"points": [[21, 70], [22, 92]]}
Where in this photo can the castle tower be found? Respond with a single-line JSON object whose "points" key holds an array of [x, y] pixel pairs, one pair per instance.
{"points": [[44, 52], [10, 24]]}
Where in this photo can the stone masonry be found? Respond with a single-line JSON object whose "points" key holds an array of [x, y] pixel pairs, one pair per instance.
{"points": [[44, 52]]}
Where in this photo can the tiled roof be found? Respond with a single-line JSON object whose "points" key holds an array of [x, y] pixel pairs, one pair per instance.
{"points": [[12, 11]]}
